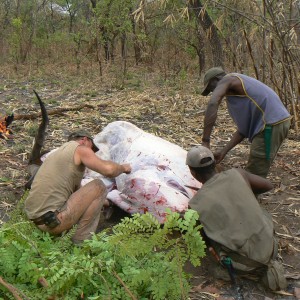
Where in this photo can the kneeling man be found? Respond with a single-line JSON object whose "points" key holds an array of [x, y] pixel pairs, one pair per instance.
{"points": [[230, 214], [56, 201]]}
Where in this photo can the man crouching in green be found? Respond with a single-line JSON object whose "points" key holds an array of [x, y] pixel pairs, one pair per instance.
{"points": [[57, 201], [233, 221]]}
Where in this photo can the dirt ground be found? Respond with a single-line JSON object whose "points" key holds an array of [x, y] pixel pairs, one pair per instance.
{"points": [[174, 112]]}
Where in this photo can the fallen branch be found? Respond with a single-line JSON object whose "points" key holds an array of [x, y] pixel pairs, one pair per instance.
{"points": [[56, 111], [288, 237], [11, 288], [125, 286], [44, 283]]}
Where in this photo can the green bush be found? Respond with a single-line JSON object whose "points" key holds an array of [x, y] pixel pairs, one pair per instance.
{"points": [[139, 259]]}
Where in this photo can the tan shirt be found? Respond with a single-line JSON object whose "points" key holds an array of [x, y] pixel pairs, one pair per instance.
{"points": [[231, 216], [55, 181]]}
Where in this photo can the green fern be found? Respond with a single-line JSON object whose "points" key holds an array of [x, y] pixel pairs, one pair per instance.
{"points": [[141, 257]]}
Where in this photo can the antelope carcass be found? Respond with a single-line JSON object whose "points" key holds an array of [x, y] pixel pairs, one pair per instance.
{"points": [[159, 179]]}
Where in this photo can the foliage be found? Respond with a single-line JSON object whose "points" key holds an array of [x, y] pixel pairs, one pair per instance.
{"points": [[259, 38], [141, 259], [15, 37]]}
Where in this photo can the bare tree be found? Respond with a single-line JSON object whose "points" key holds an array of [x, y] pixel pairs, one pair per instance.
{"points": [[211, 31]]}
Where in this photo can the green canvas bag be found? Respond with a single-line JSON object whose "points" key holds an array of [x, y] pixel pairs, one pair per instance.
{"points": [[271, 273], [232, 217], [273, 277]]}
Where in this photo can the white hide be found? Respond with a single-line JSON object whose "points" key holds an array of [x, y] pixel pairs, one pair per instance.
{"points": [[159, 176]]}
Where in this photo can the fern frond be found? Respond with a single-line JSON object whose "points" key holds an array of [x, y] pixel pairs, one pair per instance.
{"points": [[143, 255]]}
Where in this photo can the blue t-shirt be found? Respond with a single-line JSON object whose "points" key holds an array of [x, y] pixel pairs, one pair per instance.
{"points": [[258, 107]]}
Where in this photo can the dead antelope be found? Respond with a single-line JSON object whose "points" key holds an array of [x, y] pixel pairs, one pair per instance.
{"points": [[35, 156]]}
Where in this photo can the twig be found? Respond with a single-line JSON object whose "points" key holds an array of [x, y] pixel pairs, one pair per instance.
{"points": [[56, 111], [251, 54], [289, 237], [11, 288], [296, 249], [288, 266], [44, 283], [125, 286], [283, 293]]}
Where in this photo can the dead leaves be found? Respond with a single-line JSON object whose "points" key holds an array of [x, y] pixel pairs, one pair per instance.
{"points": [[173, 114], [297, 292]]}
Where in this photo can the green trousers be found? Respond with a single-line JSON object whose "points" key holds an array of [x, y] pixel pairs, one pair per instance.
{"points": [[258, 162]]}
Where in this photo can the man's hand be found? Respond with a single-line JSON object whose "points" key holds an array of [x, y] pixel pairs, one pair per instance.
{"points": [[206, 144], [127, 168], [219, 156], [235, 139]]}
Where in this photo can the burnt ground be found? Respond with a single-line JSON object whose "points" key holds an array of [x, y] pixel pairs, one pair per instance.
{"points": [[172, 110]]}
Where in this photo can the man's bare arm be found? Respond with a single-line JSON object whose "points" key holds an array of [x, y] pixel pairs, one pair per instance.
{"points": [[258, 184], [107, 168], [236, 138], [212, 107]]}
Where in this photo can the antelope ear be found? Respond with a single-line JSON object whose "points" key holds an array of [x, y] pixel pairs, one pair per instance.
{"points": [[29, 183], [32, 170], [9, 119]]}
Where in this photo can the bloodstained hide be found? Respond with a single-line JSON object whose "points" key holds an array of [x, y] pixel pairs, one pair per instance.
{"points": [[159, 179]]}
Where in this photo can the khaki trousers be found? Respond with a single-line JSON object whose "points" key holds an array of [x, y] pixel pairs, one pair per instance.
{"points": [[258, 163], [83, 209]]}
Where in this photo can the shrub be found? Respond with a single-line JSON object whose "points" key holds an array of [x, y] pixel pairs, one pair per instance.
{"points": [[139, 259]]}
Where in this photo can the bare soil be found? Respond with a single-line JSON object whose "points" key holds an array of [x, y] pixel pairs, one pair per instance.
{"points": [[174, 112]]}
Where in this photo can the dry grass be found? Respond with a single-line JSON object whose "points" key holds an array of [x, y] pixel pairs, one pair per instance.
{"points": [[171, 109]]}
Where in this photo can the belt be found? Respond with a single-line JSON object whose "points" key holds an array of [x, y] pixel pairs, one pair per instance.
{"points": [[268, 141], [40, 220]]}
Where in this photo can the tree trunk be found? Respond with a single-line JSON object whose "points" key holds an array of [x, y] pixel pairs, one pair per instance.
{"points": [[136, 46], [123, 45], [105, 45], [211, 31]]}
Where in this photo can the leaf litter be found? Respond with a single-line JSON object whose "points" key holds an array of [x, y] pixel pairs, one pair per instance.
{"points": [[175, 114]]}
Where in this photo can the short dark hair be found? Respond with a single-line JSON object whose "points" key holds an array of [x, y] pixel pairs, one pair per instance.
{"points": [[77, 135], [204, 170], [75, 138]]}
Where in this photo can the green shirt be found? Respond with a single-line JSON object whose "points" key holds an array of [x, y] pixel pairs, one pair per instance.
{"points": [[55, 181], [231, 216]]}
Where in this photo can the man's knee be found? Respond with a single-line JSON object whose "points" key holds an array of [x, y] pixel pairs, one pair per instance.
{"points": [[99, 187], [258, 166]]}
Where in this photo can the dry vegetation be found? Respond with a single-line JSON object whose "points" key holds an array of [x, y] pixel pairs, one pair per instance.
{"points": [[171, 109]]}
